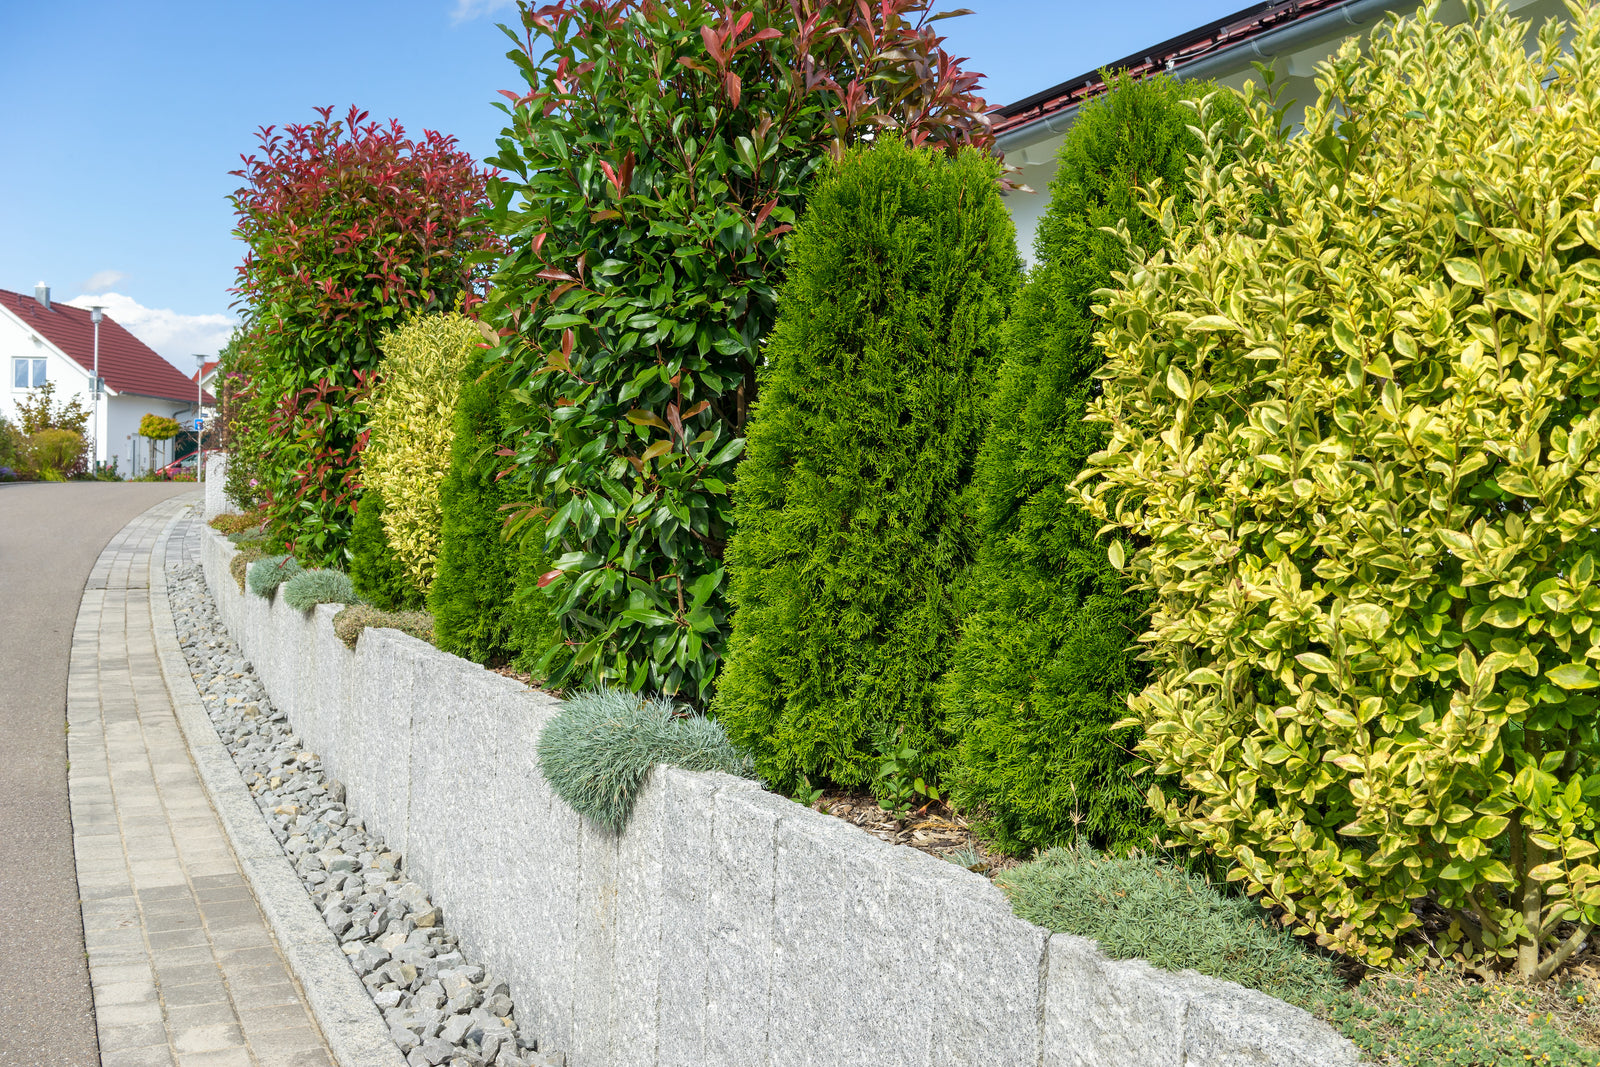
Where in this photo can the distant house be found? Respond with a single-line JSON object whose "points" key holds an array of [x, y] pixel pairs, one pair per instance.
{"points": [[1290, 36], [41, 340]]}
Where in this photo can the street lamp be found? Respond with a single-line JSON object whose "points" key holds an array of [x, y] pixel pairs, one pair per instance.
{"points": [[199, 419], [96, 313]]}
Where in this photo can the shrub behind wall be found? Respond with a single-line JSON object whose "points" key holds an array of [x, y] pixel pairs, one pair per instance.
{"points": [[485, 598], [850, 504], [375, 567], [1046, 658]]}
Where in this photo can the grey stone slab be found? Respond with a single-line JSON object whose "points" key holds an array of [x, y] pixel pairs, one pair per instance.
{"points": [[375, 734], [856, 941], [641, 852], [740, 920], [1230, 1026], [532, 920], [596, 945], [1103, 1013], [332, 665]]}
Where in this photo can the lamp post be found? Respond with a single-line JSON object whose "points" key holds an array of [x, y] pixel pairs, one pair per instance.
{"points": [[96, 313], [199, 419]]}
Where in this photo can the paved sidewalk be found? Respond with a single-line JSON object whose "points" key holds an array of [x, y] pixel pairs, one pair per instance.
{"points": [[185, 971]]}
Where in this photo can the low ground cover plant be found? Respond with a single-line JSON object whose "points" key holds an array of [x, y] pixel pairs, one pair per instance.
{"points": [[1352, 447], [850, 506], [349, 623], [267, 573], [598, 750], [308, 588]]}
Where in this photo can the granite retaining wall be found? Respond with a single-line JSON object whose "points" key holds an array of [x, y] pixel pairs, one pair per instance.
{"points": [[726, 926]]}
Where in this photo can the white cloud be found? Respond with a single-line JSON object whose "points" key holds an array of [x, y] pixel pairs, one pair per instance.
{"points": [[100, 282], [466, 10], [177, 337]]}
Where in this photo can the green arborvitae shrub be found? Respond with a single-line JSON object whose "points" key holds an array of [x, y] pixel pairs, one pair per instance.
{"points": [[375, 568], [850, 503], [597, 752], [309, 588], [349, 623], [1046, 661], [1142, 907], [485, 599], [1353, 439], [267, 573]]}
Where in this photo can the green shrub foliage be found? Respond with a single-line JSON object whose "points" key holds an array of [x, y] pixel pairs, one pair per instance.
{"points": [[598, 751], [413, 421], [485, 599], [375, 568], [1045, 663], [267, 573], [348, 224], [850, 504], [657, 160], [309, 588], [1354, 441]]}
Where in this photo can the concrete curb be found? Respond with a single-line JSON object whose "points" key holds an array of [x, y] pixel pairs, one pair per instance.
{"points": [[350, 1022]]}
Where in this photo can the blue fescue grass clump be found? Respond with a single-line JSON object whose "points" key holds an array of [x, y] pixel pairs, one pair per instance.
{"points": [[309, 588], [269, 572], [597, 752], [1142, 907]]}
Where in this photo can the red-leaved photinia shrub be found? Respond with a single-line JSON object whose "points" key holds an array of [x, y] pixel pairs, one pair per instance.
{"points": [[348, 224]]}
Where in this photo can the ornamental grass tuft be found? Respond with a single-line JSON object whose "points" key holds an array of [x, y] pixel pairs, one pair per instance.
{"points": [[269, 572], [349, 623], [240, 564], [309, 588], [597, 753]]}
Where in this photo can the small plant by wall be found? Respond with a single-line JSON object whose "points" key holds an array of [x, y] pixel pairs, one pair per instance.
{"points": [[597, 752], [307, 589], [269, 572]]}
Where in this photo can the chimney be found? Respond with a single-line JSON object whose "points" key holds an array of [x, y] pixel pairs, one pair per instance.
{"points": [[41, 293]]}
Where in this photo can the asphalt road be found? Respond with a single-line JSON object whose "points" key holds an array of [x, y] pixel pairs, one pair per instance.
{"points": [[50, 536]]}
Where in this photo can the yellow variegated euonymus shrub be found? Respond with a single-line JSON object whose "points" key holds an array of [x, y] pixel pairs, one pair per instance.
{"points": [[1354, 454], [408, 453]]}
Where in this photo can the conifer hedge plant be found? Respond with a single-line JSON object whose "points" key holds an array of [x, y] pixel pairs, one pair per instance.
{"points": [[1047, 657], [485, 598], [851, 504], [1354, 453]]}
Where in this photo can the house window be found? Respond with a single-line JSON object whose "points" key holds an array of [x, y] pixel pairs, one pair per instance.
{"points": [[27, 373]]}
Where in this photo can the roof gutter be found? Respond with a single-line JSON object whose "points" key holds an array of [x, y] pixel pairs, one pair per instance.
{"points": [[1347, 18]]}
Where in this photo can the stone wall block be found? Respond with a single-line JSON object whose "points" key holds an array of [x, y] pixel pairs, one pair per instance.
{"points": [[531, 933], [854, 943], [596, 945], [637, 961], [685, 810], [1229, 1025], [333, 668], [740, 919], [1104, 1013], [990, 993]]}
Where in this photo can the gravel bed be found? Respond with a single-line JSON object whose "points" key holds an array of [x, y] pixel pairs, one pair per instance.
{"points": [[440, 1007]]}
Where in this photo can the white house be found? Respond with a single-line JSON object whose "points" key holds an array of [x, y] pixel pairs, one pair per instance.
{"points": [[41, 340], [1290, 36]]}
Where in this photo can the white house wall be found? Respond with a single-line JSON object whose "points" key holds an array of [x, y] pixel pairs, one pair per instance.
{"points": [[19, 342]]}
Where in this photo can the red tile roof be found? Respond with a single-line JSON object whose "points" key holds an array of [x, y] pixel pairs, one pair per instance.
{"points": [[205, 368], [126, 363]]}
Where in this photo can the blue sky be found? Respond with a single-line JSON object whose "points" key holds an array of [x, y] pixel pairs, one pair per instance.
{"points": [[121, 120]]}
